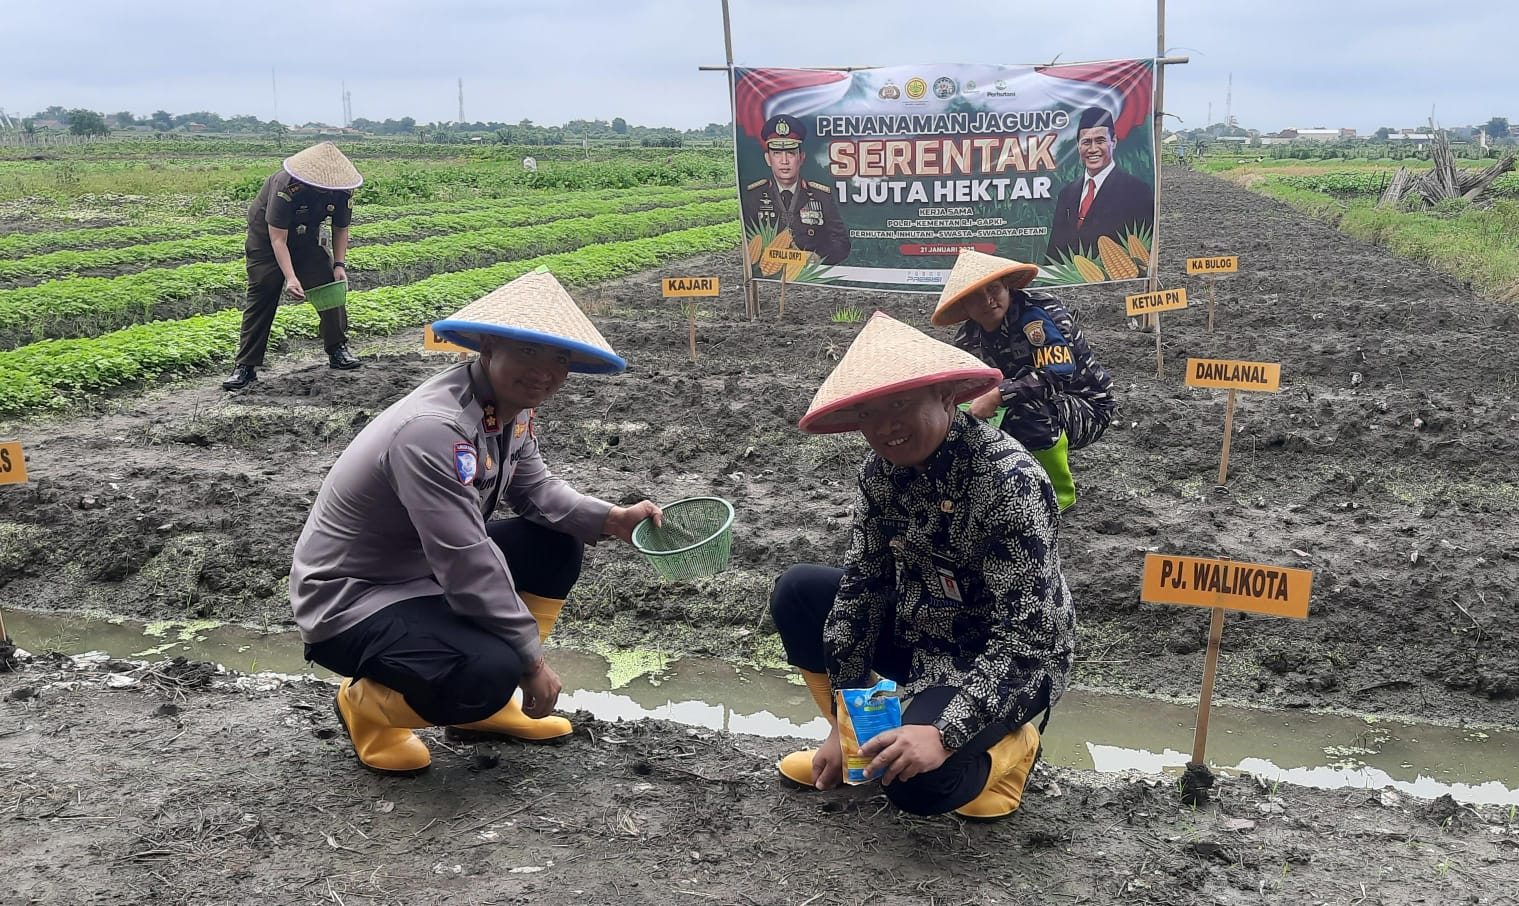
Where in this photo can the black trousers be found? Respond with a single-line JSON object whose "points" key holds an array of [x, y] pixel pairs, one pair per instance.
{"points": [[450, 669], [799, 604], [313, 267]]}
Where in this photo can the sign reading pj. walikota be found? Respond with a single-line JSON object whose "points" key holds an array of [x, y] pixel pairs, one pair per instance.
{"points": [[881, 176]]}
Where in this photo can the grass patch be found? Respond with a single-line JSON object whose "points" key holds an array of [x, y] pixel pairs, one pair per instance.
{"points": [[1472, 243]]}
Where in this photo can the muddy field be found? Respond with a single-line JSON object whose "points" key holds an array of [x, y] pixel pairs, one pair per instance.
{"points": [[170, 784], [1385, 465]]}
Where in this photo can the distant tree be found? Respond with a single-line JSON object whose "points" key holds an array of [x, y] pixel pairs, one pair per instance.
{"points": [[161, 120], [1497, 127], [28, 127], [619, 125], [124, 119], [1382, 133], [87, 122]]}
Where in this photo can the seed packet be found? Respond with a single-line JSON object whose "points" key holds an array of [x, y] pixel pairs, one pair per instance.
{"points": [[862, 714]]}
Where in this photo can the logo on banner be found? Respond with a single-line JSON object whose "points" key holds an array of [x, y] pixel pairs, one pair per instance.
{"points": [[916, 88], [889, 91], [945, 88], [1001, 92], [971, 85]]}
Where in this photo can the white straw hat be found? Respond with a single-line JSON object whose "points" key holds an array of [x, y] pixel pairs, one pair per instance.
{"points": [[323, 166], [890, 357], [972, 271], [533, 308]]}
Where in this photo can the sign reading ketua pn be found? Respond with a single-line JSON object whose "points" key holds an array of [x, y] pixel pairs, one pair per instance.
{"points": [[1232, 375], [1219, 264], [1276, 590], [1151, 303], [689, 286], [12, 464]]}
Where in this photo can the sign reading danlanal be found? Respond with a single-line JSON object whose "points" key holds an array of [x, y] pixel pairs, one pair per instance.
{"points": [[1220, 264], [1150, 303], [1226, 373], [690, 286], [1193, 581]]}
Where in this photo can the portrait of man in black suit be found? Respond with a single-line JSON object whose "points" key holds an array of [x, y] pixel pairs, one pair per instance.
{"points": [[1106, 201]]}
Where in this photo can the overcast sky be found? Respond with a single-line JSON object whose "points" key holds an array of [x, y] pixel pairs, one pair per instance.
{"points": [[1295, 63]]}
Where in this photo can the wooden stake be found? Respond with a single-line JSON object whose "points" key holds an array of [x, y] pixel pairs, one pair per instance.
{"points": [[1210, 666], [782, 313], [1160, 358], [692, 309], [3, 636], [1223, 465], [1210, 304]]}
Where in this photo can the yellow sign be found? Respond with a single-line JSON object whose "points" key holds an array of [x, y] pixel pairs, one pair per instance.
{"points": [[689, 286], [787, 256], [1225, 373], [431, 341], [12, 464], [1192, 581], [1150, 303], [1220, 264]]}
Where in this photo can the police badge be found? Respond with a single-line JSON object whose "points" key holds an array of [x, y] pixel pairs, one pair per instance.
{"points": [[1034, 330]]}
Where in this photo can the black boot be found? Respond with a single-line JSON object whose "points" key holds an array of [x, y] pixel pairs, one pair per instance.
{"points": [[340, 357], [242, 376]]}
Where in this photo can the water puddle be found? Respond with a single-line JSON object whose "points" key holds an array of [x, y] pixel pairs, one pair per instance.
{"points": [[1090, 731]]}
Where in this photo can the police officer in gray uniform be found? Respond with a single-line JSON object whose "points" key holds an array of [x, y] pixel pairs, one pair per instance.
{"points": [[785, 201], [402, 581]]}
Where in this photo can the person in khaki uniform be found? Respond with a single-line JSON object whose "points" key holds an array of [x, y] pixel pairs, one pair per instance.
{"points": [[284, 254], [403, 583], [951, 586]]}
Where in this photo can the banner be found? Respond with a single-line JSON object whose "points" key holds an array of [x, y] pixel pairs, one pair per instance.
{"points": [[883, 175]]}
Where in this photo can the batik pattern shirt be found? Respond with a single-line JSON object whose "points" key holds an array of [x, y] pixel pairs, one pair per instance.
{"points": [[958, 563]]}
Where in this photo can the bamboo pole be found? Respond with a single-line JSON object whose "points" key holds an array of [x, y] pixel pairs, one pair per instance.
{"points": [[751, 291], [1211, 278], [781, 315], [692, 309], [1205, 701], [1156, 129]]}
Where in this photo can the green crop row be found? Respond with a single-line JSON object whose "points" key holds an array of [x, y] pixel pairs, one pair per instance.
{"points": [[53, 373], [88, 305], [18, 245], [216, 248], [1352, 183]]}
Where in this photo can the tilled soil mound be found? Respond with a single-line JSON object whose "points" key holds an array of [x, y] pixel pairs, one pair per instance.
{"points": [[1385, 465]]}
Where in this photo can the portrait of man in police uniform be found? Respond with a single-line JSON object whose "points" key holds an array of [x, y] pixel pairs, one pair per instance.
{"points": [[786, 201]]}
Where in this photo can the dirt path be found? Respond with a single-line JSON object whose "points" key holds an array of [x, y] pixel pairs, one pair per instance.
{"points": [[173, 784], [1386, 465]]}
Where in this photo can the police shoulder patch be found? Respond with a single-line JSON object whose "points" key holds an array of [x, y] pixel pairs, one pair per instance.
{"points": [[465, 463], [756, 184], [819, 187], [284, 196]]}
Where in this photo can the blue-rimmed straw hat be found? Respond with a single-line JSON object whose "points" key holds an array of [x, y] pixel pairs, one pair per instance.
{"points": [[533, 308]]}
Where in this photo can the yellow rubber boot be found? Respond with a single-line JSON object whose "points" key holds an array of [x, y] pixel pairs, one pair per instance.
{"points": [[1057, 464], [510, 722], [379, 722], [1012, 760], [797, 767]]}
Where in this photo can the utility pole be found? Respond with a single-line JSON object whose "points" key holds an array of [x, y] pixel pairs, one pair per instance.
{"points": [[274, 88], [461, 102], [1229, 103]]}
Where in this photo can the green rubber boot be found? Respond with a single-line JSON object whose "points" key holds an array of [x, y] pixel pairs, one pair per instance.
{"points": [[1057, 465]]}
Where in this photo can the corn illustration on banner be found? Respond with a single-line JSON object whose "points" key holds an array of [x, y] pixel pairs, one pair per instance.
{"points": [[878, 178]]}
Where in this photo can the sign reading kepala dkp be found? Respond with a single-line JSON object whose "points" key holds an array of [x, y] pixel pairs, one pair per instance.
{"points": [[881, 176]]}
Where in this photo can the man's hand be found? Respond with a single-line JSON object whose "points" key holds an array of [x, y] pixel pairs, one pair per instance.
{"points": [[623, 519], [904, 753], [339, 273], [985, 405], [540, 690], [828, 763], [293, 287]]}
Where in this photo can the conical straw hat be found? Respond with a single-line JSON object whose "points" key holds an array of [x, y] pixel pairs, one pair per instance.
{"points": [[972, 271], [323, 166], [533, 308], [889, 357]]}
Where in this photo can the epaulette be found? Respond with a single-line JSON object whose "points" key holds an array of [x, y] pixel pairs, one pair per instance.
{"points": [[756, 184], [819, 186]]}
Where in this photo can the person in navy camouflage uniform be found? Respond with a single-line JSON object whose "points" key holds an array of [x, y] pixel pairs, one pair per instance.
{"points": [[1056, 395], [951, 586]]}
